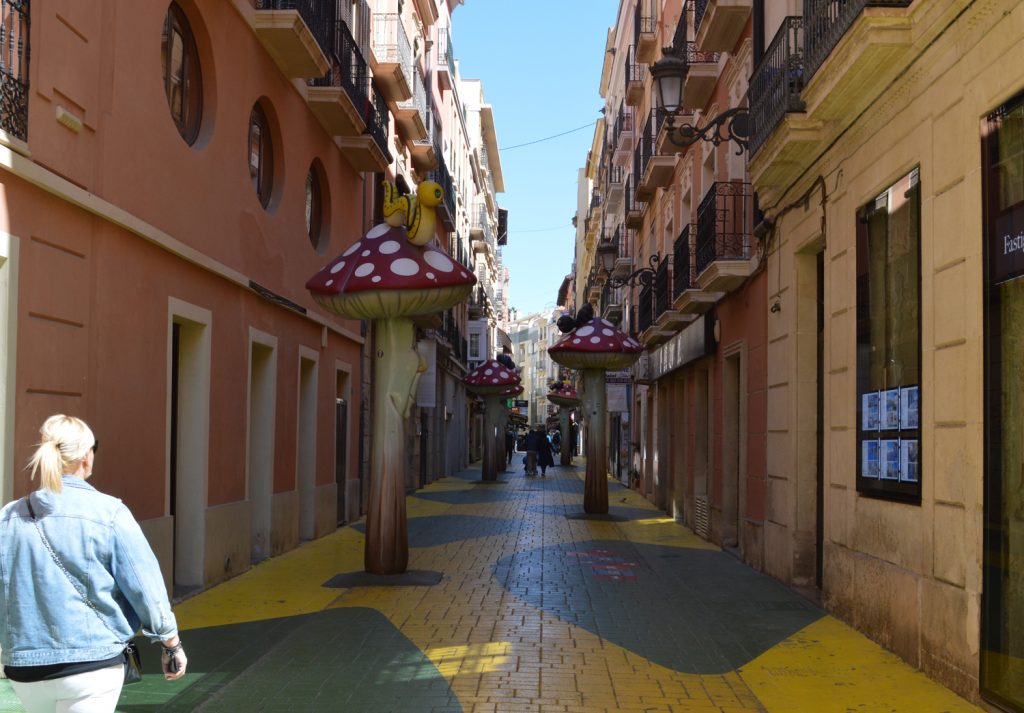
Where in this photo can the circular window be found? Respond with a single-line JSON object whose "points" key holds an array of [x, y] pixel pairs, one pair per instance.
{"points": [[183, 81], [318, 210], [261, 155]]}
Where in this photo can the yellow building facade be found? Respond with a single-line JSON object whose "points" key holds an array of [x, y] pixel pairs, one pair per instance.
{"points": [[887, 158]]}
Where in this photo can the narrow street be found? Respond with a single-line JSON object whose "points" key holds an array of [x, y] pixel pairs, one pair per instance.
{"points": [[537, 609]]}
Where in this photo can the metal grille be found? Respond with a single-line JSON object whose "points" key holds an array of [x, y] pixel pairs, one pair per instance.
{"points": [[348, 68], [663, 287], [390, 42], [777, 82], [377, 122], [701, 521], [635, 71], [826, 21], [645, 20], [14, 55], [723, 223], [645, 308], [319, 17], [699, 8]]}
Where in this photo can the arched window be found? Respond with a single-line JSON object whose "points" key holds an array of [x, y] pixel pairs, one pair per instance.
{"points": [[314, 207], [261, 155], [183, 82]]}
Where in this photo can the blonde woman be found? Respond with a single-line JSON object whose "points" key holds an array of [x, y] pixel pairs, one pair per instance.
{"points": [[78, 581]]}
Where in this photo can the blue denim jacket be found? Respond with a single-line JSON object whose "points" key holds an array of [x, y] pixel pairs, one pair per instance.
{"points": [[43, 620]]}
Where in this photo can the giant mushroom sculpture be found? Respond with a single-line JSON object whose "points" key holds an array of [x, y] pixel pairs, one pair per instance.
{"points": [[566, 399], [594, 346], [387, 279], [499, 436], [491, 380]]}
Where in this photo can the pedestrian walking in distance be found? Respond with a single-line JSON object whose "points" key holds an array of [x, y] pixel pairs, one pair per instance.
{"points": [[510, 444], [533, 439], [78, 581], [544, 457]]}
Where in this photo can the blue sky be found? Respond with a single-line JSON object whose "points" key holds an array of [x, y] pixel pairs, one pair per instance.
{"points": [[540, 64]]}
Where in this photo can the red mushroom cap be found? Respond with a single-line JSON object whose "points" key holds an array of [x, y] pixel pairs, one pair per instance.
{"points": [[512, 391], [491, 377], [596, 344], [384, 275], [564, 397]]}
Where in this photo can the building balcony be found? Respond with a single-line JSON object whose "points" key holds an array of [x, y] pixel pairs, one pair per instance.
{"points": [[445, 60], [662, 143], [634, 210], [666, 318], [615, 187], [724, 241], [622, 141], [719, 23], [340, 98], [645, 28], [652, 170], [427, 10], [423, 154], [481, 232], [624, 240], [445, 211], [368, 152], [848, 52], [635, 74], [297, 34], [687, 297], [701, 77], [14, 76], [610, 307], [411, 116], [391, 57]]}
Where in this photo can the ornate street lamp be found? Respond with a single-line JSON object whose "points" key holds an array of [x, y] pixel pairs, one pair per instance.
{"points": [[606, 254], [669, 74]]}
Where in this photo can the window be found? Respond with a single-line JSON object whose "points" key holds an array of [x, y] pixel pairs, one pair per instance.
{"points": [[314, 208], [889, 343], [474, 345], [183, 82], [261, 155]]}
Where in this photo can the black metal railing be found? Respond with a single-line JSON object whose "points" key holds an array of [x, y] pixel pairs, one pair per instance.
{"points": [[777, 82], [826, 21], [14, 56], [647, 145], [629, 195], [348, 67], [645, 19], [418, 100], [626, 243], [663, 287], [723, 223], [595, 200], [699, 8], [623, 122], [682, 252], [635, 71], [444, 178], [320, 17], [502, 226], [616, 174], [445, 53], [377, 121], [645, 308]]}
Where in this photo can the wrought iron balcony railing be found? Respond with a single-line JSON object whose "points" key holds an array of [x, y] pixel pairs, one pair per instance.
{"points": [[699, 8], [645, 308], [646, 147], [623, 122], [777, 82], [635, 71], [419, 98], [14, 56], [826, 21], [348, 67], [319, 17], [445, 53], [682, 259], [723, 223], [444, 178], [645, 19], [616, 174], [663, 287], [390, 42], [377, 121]]}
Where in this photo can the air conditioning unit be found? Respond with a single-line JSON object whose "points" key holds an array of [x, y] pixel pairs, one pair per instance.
{"points": [[701, 516]]}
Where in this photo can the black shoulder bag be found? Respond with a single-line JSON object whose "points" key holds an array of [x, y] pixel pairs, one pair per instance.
{"points": [[132, 657]]}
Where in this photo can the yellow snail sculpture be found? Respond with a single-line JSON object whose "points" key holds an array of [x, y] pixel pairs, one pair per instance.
{"points": [[417, 213]]}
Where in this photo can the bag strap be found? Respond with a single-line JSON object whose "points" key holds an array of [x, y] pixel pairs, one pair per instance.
{"points": [[74, 583]]}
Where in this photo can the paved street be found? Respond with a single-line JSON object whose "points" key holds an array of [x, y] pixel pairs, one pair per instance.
{"points": [[537, 609]]}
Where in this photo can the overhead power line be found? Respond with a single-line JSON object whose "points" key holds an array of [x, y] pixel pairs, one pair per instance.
{"points": [[548, 138]]}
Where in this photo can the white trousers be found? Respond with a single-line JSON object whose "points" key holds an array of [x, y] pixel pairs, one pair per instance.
{"points": [[92, 692]]}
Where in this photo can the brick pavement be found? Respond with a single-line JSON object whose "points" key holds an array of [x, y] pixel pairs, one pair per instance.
{"points": [[537, 609]]}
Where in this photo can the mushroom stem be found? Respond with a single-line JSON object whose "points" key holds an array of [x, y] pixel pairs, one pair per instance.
{"points": [[499, 440], [566, 428], [492, 417], [397, 367], [595, 490]]}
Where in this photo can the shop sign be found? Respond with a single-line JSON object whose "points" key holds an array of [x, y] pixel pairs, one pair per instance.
{"points": [[1007, 248], [616, 396], [622, 376], [689, 345]]}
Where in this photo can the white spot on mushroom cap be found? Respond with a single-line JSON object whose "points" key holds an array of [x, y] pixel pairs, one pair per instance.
{"points": [[431, 276], [390, 246], [595, 340], [489, 372], [405, 267], [336, 268], [607, 332], [352, 248], [585, 331], [576, 341], [503, 375], [378, 230], [329, 283], [375, 278], [365, 253], [363, 270], [438, 261]]}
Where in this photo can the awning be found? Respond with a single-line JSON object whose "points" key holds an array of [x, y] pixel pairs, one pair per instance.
{"points": [[563, 292]]}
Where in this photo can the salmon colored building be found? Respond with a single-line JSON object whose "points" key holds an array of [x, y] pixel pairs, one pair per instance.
{"points": [[172, 174]]}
